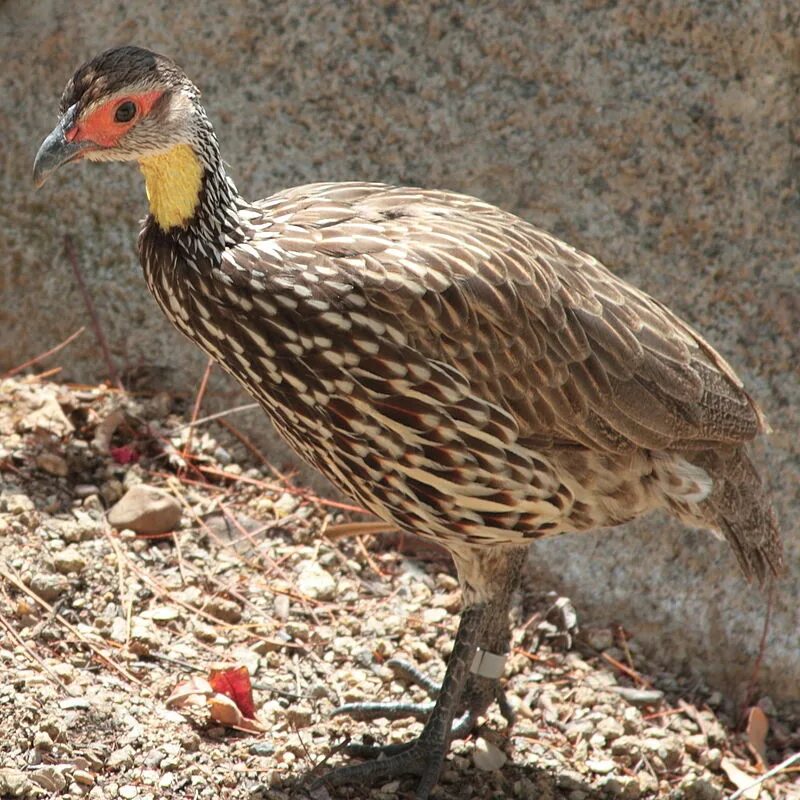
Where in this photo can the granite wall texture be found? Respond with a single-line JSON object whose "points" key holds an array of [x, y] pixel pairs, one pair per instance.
{"points": [[660, 136]]}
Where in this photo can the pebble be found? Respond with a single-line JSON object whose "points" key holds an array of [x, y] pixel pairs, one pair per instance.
{"points": [[696, 787], [638, 697], [120, 759], [69, 560], [48, 586], [48, 417], [488, 756], [434, 616], [625, 787], [599, 638], [601, 766], [262, 749], [145, 639], [298, 630], [610, 728], [50, 779], [17, 504], [52, 464], [224, 609], [313, 581], [146, 509], [626, 746], [43, 741], [299, 716], [83, 777]]}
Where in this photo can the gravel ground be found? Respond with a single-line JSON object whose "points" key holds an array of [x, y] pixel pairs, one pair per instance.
{"points": [[98, 624]]}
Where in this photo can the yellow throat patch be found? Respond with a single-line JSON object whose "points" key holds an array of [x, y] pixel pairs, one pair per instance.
{"points": [[172, 181]]}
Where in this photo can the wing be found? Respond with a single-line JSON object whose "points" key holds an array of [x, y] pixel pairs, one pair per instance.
{"points": [[572, 352]]}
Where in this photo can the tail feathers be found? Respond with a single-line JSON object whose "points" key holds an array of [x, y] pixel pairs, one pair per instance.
{"points": [[738, 506]]}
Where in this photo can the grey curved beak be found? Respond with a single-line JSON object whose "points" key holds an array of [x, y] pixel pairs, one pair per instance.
{"points": [[57, 150]]}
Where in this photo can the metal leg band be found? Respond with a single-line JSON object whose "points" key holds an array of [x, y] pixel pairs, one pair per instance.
{"points": [[489, 665]]}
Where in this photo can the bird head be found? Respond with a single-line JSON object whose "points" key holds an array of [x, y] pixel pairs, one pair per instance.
{"points": [[130, 104]]}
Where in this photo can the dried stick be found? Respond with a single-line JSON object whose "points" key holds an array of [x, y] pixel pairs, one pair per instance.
{"points": [[47, 353], [72, 257]]}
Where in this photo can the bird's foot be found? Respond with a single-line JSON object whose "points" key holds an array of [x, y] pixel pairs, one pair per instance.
{"points": [[422, 757], [478, 696], [470, 685]]}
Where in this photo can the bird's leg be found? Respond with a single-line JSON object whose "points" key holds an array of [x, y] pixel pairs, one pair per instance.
{"points": [[482, 686], [425, 755], [469, 687]]}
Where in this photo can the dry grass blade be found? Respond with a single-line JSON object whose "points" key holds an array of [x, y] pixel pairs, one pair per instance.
{"points": [[198, 402], [782, 767], [346, 529], [214, 417], [31, 654], [47, 353], [304, 493], [72, 257], [102, 655]]}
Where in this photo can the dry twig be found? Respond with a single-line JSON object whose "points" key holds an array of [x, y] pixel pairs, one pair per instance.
{"points": [[42, 356]]}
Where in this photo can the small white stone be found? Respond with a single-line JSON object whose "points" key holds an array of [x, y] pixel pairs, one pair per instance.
{"points": [[314, 582], [601, 766], [488, 756]]}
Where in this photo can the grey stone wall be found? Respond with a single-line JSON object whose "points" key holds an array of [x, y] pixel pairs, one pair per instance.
{"points": [[660, 136]]}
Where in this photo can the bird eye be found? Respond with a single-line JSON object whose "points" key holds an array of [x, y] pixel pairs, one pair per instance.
{"points": [[125, 111]]}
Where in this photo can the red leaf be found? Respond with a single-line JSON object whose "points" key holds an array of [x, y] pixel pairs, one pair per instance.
{"points": [[124, 454], [234, 682]]}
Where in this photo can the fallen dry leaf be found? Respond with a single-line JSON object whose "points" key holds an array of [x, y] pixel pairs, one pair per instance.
{"points": [[225, 711], [757, 727], [194, 692], [740, 779], [234, 682], [227, 693]]}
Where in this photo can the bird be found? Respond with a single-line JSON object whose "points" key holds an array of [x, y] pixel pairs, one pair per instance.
{"points": [[459, 372]]}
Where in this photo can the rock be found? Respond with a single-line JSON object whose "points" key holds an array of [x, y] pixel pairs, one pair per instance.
{"points": [[625, 787], [696, 787], [14, 783], [299, 631], [48, 417], [43, 741], [638, 697], [145, 639], [669, 749], [121, 759], [610, 728], [224, 609], [52, 464], [299, 716], [68, 560], [601, 766], [696, 744], [599, 638], [17, 504], [629, 746], [145, 509], [314, 582], [487, 755], [83, 777], [48, 586]]}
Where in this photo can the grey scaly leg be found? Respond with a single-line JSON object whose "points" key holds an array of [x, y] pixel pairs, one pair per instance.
{"points": [[470, 685], [425, 755]]}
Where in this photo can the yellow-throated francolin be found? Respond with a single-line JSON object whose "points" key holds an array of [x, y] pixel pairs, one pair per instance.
{"points": [[457, 371]]}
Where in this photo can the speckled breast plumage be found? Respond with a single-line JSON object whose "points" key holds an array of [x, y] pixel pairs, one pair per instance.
{"points": [[454, 369]]}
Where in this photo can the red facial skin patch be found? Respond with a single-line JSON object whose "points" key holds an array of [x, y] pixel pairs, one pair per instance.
{"points": [[101, 128]]}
